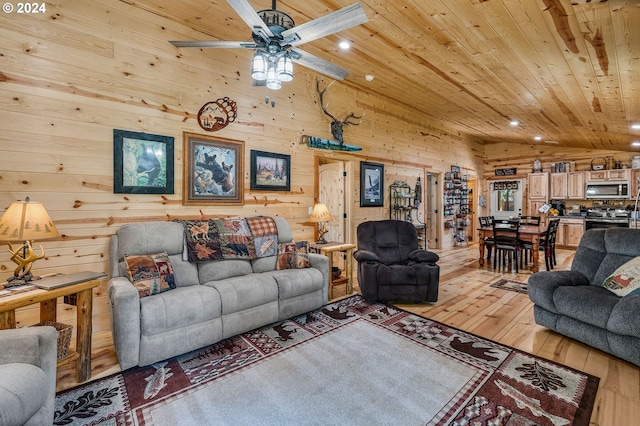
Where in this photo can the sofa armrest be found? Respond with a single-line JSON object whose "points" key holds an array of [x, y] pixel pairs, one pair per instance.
{"points": [[124, 302], [31, 345], [421, 255], [366, 256], [542, 285], [321, 263]]}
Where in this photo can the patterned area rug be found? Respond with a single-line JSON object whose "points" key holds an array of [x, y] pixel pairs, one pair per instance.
{"points": [[347, 363], [511, 286]]}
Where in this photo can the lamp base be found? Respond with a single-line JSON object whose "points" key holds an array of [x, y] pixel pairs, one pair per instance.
{"points": [[321, 241]]}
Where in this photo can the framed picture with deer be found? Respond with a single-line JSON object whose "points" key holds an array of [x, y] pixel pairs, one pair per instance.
{"points": [[213, 171], [142, 163]]}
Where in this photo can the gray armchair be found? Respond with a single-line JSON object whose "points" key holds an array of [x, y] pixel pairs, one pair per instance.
{"points": [[27, 376], [392, 267]]}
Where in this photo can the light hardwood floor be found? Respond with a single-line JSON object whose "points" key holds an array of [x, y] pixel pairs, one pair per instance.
{"points": [[466, 301]]}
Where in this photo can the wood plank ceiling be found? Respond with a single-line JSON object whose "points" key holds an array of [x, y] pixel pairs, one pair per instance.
{"points": [[568, 71]]}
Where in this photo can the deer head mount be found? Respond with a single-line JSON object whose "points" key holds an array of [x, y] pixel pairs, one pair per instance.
{"points": [[336, 125]]}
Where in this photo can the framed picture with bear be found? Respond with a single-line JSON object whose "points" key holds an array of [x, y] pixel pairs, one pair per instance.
{"points": [[142, 163], [213, 171]]}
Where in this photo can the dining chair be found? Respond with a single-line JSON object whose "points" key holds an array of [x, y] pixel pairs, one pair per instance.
{"points": [[529, 220], [489, 243], [549, 244], [527, 253], [507, 243]]}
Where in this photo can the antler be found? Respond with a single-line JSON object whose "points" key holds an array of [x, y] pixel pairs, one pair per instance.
{"points": [[321, 94], [336, 125]]}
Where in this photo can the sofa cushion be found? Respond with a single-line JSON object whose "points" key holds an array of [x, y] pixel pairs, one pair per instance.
{"points": [[181, 307], [21, 392], [293, 255], [222, 269], [246, 292], [625, 280], [623, 319], [293, 283], [151, 273]]}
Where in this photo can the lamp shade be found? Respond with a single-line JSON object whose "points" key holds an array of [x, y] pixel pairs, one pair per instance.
{"points": [[320, 213], [285, 69], [259, 67], [25, 221]]}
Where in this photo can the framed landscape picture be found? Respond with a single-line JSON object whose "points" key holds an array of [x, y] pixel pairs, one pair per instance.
{"points": [[142, 163], [270, 171], [213, 170], [371, 184]]}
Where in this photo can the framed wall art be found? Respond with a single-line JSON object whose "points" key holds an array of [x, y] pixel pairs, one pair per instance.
{"points": [[371, 184], [270, 171], [142, 163], [213, 170]]}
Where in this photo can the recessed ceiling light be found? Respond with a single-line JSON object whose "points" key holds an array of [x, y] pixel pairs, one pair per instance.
{"points": [[635, 143], [344, 45], [514, 122], [368, 77], [635, 126], [537, 138]]}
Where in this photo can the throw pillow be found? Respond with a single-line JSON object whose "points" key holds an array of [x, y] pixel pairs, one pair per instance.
{"points": [[626, 279], [150, 274], [293, 255]]}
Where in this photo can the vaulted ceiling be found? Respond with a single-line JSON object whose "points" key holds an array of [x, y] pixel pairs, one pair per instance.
{"points": [[568, 71]]}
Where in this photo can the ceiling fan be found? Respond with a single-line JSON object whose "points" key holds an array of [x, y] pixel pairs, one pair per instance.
{"points": [[275, 39]]}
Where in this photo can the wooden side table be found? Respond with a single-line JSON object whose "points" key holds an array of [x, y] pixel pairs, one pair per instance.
{"points": [[82, 286], [328, 250]]}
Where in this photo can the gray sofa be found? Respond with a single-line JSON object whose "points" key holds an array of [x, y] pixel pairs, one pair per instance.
{"points": [[575, 303], [213, 300], [28, 375]]}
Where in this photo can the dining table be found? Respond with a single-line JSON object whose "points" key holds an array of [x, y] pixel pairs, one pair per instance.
{"points": [[529, 233]]}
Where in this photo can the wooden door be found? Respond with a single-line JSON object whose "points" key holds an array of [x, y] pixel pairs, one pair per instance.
{"points": [[331, 191]]}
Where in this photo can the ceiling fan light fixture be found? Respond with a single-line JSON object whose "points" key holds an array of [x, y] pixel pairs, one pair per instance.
{"points": [[272, 78], [259, 67], [284, 69]]}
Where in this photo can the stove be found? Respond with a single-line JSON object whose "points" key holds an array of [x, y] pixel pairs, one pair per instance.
{"points": [[607, 217]]}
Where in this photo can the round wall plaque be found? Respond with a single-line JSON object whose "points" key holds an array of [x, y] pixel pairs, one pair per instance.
{"points": [[216, 115]]}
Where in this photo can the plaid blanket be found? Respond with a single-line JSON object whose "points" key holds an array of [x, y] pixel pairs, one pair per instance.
{"points": [[231, 238]]}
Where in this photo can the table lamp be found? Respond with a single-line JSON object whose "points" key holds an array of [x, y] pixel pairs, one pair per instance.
{"points": [[320, 215], [25, 221]]}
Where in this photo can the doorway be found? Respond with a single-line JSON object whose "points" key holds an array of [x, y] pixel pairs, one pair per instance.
{"points": [[432, 221], [333, 187], [506, 199]]}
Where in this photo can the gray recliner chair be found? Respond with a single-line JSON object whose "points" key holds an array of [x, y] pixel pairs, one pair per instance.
{"points": [[392, 267], [28, 360]]}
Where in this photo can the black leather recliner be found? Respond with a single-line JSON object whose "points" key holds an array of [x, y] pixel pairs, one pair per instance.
{"points": [[391, 267]]}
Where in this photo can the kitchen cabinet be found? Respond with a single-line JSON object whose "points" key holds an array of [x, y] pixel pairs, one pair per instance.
{"points": [[604, 175], [575, 185], [538, 186], [558, 186], [570, 232], [567, 186]]}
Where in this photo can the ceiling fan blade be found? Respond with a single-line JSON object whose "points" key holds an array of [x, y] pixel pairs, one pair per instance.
{"points": [[339, 20], [214, 44], [251, 18], [317, 64]]}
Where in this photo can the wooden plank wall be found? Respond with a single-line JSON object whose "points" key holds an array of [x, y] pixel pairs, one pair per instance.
{"points": [[72, 75]]}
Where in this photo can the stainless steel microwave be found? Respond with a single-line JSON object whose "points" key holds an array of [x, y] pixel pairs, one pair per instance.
{"points": [[612, 189]]}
